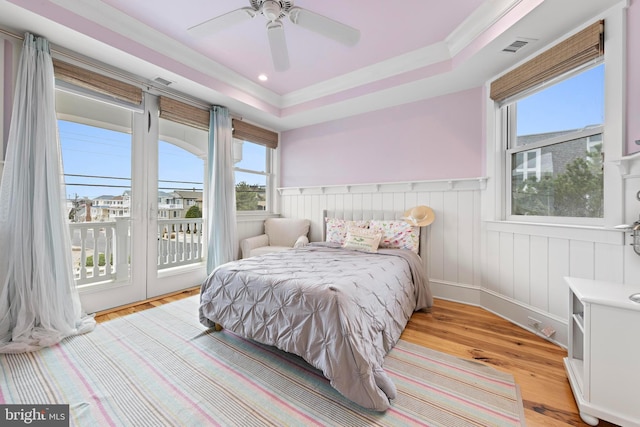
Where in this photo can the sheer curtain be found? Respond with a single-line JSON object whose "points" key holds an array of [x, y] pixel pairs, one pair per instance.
{"points": [[39, 303], [221, 205]]}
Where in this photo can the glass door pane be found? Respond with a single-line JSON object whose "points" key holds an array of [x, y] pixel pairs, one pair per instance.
{"points": [[96, 146], [97, 165], [179, 229]]}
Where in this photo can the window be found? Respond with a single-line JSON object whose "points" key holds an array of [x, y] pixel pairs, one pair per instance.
{"points": [[180, 172], [554, 148], [96, 153], [96, 148], [97, 171], [253, 149], [252, 175]]}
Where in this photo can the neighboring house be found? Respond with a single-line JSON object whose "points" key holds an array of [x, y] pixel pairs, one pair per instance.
{"points": [[189, 199], [170, 205], [551, 160], [107, 208]]}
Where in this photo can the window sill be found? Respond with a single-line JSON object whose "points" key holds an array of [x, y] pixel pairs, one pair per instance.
{"points": [[595, 234]]}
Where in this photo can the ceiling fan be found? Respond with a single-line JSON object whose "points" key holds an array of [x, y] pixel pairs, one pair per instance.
{"points": [[273, 11]]}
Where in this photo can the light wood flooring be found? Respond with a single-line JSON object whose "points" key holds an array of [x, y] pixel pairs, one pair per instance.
{"points": [[474, 333]]}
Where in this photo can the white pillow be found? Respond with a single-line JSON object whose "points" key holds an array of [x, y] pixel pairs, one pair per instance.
{"points": [[362, 239]]}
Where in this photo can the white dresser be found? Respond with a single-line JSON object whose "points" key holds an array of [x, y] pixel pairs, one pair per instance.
{"points": [[603, 362]]}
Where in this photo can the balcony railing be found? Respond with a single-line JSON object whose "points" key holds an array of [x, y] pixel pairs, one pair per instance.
{"points": [[101, 250], [179, 242], [170, 206]]}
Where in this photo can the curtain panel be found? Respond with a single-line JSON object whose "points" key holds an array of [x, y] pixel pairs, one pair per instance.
{"points": [[221, 203], [39, 302]]}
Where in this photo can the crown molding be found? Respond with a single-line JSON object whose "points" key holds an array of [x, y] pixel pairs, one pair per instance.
{"points": [[486, 15], [410, 61], [121, 23], [483, 18]]}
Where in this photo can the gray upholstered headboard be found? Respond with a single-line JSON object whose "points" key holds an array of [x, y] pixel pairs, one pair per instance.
{"points": [[364, 215]]}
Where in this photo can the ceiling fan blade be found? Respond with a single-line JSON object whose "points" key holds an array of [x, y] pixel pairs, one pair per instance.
{"points": [[222, 22], [278, 44], [324, 26]]}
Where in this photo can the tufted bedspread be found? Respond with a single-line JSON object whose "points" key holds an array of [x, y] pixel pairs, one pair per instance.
{"points": [[340, 310]]}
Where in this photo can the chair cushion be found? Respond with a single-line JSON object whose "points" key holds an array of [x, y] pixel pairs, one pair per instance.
{"points": [[285, 231]]}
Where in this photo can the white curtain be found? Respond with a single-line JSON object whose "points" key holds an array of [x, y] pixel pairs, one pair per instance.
{"points": [[39, 303], [221, 206]]}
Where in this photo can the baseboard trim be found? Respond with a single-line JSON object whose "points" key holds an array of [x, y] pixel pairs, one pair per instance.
{"points": [[515, 312], [467, 294]]}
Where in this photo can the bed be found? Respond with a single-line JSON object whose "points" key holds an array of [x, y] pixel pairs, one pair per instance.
{"points": [[341, 310]]}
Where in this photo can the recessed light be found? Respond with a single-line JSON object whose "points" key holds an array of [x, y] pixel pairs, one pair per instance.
{"points": [[263, 77]]}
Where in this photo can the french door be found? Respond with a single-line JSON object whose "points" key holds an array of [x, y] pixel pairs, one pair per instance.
{"points": [[175, 226], [131, 178]]}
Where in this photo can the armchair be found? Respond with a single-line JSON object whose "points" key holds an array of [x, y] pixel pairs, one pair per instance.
{"points": [[279, 234]]}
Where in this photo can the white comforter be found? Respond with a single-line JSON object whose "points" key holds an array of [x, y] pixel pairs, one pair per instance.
{"points": [[340, 310]]}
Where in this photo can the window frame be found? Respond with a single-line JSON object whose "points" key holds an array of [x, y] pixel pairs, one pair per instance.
{"points": [[270, 155], [495, 203]]}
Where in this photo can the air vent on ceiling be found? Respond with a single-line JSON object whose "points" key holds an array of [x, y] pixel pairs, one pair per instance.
{"points": [[517, 45], [162, 81]]}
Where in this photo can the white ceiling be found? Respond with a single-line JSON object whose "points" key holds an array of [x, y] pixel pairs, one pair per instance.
{"points": [[408, 49]]}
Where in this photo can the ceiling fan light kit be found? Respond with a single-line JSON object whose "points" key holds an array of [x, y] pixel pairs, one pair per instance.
{"points": [[273, 11]]}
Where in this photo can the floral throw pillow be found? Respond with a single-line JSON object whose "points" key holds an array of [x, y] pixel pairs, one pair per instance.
{"points": [[336, 229], [397, 234], [362, 239]]}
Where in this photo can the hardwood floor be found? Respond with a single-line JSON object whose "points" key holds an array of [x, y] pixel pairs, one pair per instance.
{"points": [[474, 333], [113, 313]]}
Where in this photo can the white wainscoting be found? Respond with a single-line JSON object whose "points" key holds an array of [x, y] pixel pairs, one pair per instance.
{"points": [[512, 269], [525, 266], [452, 258]]}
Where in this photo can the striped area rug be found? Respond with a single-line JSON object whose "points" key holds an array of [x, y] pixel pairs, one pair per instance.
{"points": [[160, 367]]}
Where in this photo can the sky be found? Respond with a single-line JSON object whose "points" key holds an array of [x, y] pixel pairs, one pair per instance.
{"points": [[556, 108], [94, 152]]}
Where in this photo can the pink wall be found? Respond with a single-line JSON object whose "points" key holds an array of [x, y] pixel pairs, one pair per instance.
{"points": [[633, 77], [439, 138]]}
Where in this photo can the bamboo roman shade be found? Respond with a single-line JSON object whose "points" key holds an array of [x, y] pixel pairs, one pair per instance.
{"points": [[577, 50], [196, 117], [248, 132], [97, 82], [185, 114], [169, 108]]}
